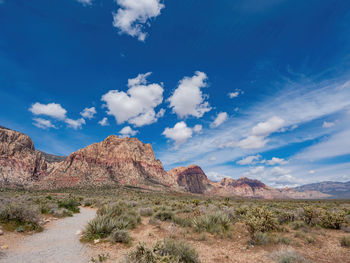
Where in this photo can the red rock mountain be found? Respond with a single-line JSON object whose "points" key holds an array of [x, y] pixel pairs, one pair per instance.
{"points": [[117, 161]]}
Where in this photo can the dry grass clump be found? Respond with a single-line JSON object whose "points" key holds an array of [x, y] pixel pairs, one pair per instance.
{"points": [[148, 211], [120, 236], [20, 217], [164, 215], [215, 223], [345, 241], [287, 256], [169, 250], [110, 218]]}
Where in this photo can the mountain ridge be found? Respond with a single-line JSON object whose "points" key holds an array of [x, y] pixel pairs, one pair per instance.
{"points": [[118, 162]]}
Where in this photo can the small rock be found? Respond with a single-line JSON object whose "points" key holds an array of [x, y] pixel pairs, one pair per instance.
{"points": [[1, 232], [47, 220], [54, 218], [96, 241], [78, 232], [4, 247]]}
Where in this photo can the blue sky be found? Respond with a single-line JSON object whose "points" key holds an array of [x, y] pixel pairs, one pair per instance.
{"points": [[241, 88]]}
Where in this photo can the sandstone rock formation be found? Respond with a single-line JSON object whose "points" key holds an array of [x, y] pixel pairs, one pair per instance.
{"points": [[114, 161], [191, 179], [20, 163], [117, 162]]}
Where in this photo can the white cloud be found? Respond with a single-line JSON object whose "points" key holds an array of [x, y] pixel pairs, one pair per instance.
{"points": [[88, 113], [128, 131], [249, 160], [213, 158], [137, 105], [257, 170], [187, 99], [214, 176], [264, 129], [328, 124], [75, 124], [43, 124], [276, 160], [220, 119], [234, 94], [104, 122], [53, 110], [85, 2], [197, 128], [260, 132], [180, 133], [133, 15]]}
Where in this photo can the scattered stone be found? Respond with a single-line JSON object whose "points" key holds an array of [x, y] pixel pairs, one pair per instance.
{"points": [[96, 241], [79, 232], [4, 247], [1, 232]]}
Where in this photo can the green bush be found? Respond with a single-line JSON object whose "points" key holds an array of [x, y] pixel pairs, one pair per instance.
{"points": [[217, 222], [260, 219], [345, 241], [311, 215], [164, 215], [167, 251], [69, 203], [333, 220], [121, 236]]}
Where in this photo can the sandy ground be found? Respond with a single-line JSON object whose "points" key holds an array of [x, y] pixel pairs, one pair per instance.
{"points": [[57, 243], [326, 248]]}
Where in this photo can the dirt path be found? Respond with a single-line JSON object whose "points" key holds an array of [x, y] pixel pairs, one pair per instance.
{"points": [[58, 243]]}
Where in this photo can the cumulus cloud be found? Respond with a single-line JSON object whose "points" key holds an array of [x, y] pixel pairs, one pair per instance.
{"points": [[43, 124], [75, 124], [88, 113], [53, 110], [276, 160], [328, 124], [85, 2], [128, 131], [249, 160], [188, 99], [180, 133], [104, 122], [133, 15], [197, 128], [137, 105], [220, 119], [257, 170], [215, 176], [260, 132]]}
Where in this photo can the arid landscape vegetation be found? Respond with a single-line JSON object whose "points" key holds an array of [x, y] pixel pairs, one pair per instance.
{"points": [[133, 225]]}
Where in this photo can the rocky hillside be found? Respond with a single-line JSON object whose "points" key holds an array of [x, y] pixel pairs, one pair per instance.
{"points": [[120, 162], [335, 189]]}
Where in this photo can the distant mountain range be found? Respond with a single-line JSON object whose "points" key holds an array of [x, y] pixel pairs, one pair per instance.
{"points": [[130, 163], [334, 189]]}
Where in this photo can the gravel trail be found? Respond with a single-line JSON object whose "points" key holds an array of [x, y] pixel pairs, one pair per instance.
{"points": [[58, 243]]}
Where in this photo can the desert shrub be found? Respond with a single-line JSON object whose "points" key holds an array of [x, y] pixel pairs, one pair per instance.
{"points": [[310, 239], [164, 215], [298, 224], [216, 222], [61, 212], [167, 251], [345, 241], [260, 219], [121, 236], [148, 211], [109, 218], [20, 216], [287, 256], [69, 203], [333, 220], [285, 217], [259, 238], [311, 215], [182, 221]]}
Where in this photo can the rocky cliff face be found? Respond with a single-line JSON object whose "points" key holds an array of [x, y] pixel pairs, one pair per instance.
{"points": [[191, 179], [246, 187], [20, 163], [119, 161]]}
